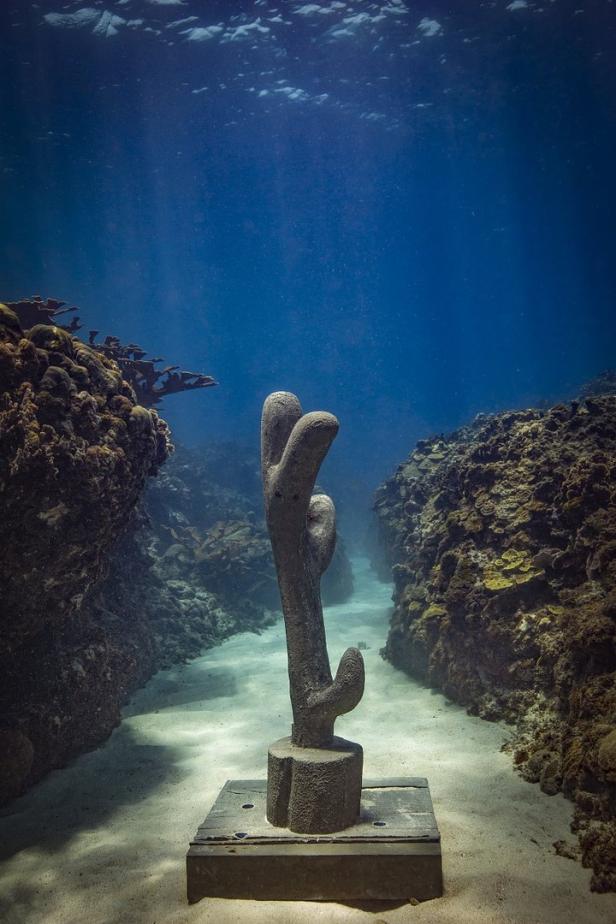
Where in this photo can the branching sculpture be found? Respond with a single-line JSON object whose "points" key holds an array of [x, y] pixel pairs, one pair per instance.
{"points": [[303, 533]]}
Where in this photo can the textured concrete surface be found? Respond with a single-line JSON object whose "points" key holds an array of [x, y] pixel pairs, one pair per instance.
{"points": [[314, 790], [302, 528]]}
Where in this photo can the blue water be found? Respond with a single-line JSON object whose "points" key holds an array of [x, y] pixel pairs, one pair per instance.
{"points": [[404, 212]]}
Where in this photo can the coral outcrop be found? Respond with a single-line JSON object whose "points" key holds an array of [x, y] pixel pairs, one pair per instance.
{"points": [[63, 692], [207, 528], [75, 452], [77, 446], [502, 538], [149, 383]]}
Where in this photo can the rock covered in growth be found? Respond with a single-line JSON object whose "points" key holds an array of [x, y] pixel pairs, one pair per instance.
{"points": [[231, 558], [75, 452], [64, 692], [205, 530], [149, 383], [502, 538], [602, 384], [206, 516]]}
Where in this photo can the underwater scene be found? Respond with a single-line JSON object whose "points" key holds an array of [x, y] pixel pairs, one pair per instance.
{"points": [[307, 415]]}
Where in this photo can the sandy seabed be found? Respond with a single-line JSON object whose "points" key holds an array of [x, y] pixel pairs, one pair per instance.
{"points": [[103, 841]]}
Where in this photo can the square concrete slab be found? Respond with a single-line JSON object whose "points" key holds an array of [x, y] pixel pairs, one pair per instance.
{"points": [[393, 852]]}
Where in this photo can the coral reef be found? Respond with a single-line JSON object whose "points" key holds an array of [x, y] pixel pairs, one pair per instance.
{"points": [[502, 538], [75, 452], [602, 384], [231, 557], [35, 310], [206, 518], [150, 385], [63, 692]]}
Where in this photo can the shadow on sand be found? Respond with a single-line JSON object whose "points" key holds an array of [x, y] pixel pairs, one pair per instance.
{"points": [[123, 771]]}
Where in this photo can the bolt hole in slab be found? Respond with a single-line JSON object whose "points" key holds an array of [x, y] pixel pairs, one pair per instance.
{"points": [[379, 824], [240, 834], [248, 805]]}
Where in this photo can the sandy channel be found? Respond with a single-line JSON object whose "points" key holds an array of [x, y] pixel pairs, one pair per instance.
{"points": [[103, 841]]}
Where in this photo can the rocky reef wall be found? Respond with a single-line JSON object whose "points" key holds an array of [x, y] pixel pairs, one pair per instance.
{"points": [[207, 529], [85, 615], [502, 538], [103, 582], [75, 453]]}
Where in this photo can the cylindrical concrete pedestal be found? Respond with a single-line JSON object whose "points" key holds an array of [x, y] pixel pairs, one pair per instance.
{"points": [[314, 790]]}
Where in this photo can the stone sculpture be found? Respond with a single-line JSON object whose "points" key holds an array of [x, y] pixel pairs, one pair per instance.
{"points": [[314, 778], [330, 851]]}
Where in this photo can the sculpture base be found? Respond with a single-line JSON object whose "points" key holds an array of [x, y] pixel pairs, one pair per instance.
{"points": [[393, 851], [314, 790]]}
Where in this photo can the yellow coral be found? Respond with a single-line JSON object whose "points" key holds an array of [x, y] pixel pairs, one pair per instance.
{"points": [[434, 611], [513, 567], [524, 577], [495, 581], [512, 559]]}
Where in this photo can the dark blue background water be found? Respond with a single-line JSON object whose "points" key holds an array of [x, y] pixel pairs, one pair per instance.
{"points": [[432, 239]]}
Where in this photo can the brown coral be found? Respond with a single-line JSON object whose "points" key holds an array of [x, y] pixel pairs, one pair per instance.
{"points": [[39, 318], [75, 453], [503, 541]]}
